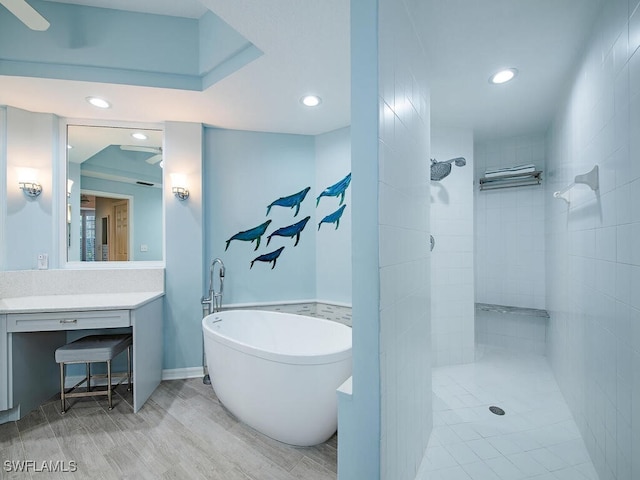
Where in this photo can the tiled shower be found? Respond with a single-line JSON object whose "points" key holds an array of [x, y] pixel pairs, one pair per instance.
{"points": [[452, 280], [578, 260]]}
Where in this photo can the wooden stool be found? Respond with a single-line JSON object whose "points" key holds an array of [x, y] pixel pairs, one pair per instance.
{"points": [[88, 350]]}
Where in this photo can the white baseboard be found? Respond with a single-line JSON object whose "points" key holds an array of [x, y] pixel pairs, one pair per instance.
{"points": [[334, 303], [169, 374], [231, 306], [182, 373]]}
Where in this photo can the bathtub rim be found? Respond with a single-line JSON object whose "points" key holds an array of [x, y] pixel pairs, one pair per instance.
{"points": [[333, 356]]}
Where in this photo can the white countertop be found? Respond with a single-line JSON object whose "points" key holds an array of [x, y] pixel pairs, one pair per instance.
{"points": [[80, 302]]}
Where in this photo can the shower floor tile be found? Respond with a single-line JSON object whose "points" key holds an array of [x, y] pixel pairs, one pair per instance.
{"points": [[537, 437]]}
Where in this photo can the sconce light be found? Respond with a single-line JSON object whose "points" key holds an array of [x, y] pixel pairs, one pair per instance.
{"points": [[27, 179], [179, 186], [69, 186]]}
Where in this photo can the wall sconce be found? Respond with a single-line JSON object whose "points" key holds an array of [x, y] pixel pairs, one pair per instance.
{"points": [[27, 179], [69, 187], [179, 186]]}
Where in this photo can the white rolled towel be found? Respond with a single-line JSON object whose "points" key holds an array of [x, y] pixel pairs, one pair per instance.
{"points": [[518, 169]]}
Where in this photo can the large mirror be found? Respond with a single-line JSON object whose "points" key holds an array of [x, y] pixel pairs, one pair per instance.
{"points": [[114, 194]]}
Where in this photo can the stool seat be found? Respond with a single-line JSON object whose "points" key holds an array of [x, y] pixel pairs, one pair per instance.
{"points": [[88, 350], [93, 348]]}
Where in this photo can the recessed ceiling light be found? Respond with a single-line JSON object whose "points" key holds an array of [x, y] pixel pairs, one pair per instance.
{"points": [[503, 76], [98, 102], [69, 147], [139, 136], [311, 100]]}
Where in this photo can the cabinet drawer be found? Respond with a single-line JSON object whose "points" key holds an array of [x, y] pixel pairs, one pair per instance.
{"points": [[41, 322]]}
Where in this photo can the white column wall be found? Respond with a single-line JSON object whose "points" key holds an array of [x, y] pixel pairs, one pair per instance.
{"points": [[452, 277]]}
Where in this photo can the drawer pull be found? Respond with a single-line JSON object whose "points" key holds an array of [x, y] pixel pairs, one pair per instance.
{"points": [[67, 320]]}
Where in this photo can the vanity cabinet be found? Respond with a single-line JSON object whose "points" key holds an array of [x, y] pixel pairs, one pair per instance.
{"points": [[50, 321], [31, 328], [4, 365]]}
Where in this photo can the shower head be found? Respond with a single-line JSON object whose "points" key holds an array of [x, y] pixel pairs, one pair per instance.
{"points": [[440, 170]]}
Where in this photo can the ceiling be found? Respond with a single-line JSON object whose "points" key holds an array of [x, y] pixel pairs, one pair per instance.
{"points": [[468, 41], [306, 50], [181, 8], [86, 141]]}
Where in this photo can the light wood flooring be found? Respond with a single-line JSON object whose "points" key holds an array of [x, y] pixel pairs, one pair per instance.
{"points": [[181, 433]]}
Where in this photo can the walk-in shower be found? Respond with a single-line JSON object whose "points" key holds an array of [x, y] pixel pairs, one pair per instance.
{"points": [[439, 170]]}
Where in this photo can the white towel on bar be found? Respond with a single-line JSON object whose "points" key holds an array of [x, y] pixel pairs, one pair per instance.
{"points": [[518, 169]]}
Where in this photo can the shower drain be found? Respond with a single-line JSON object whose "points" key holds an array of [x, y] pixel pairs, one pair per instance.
{"points": [[496, 410]]}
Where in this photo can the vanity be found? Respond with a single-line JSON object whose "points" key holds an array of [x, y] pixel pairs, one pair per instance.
{"points": [[32, 327], [82, 254]]}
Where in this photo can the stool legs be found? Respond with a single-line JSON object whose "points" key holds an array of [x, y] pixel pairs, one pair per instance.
{"points": [[109, 386], [64, 395], [129, 386], [62, 400]]}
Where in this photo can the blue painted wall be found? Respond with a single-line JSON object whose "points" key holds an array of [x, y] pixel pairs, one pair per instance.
{"points": [[31, 140], [359, 448], [243, 173], [184, 251], [333, 247], [3, 184]]}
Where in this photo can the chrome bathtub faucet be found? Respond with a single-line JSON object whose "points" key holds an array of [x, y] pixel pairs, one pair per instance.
{"points": [[214, 300], [214, 303]]}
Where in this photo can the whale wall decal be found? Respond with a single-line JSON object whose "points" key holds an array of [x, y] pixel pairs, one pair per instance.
{"points": [[250, 235], [255, 234], [268, 257], [290, 231], [333, 217], [336, 190], [291, 201]]}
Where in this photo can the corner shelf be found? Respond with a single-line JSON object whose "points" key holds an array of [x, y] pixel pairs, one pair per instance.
{"points": [[511, 181]]}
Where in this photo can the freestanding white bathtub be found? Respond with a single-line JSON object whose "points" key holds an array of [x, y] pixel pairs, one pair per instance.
{"points": [[278, 372]]}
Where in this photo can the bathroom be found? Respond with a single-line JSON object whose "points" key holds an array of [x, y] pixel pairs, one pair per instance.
{"points": [[581, 266]]}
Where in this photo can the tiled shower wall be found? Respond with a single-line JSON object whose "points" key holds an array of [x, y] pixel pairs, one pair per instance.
{"points": [[386, 422], [403, 215], [452, 294], [509, 227], [593, 259]]}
